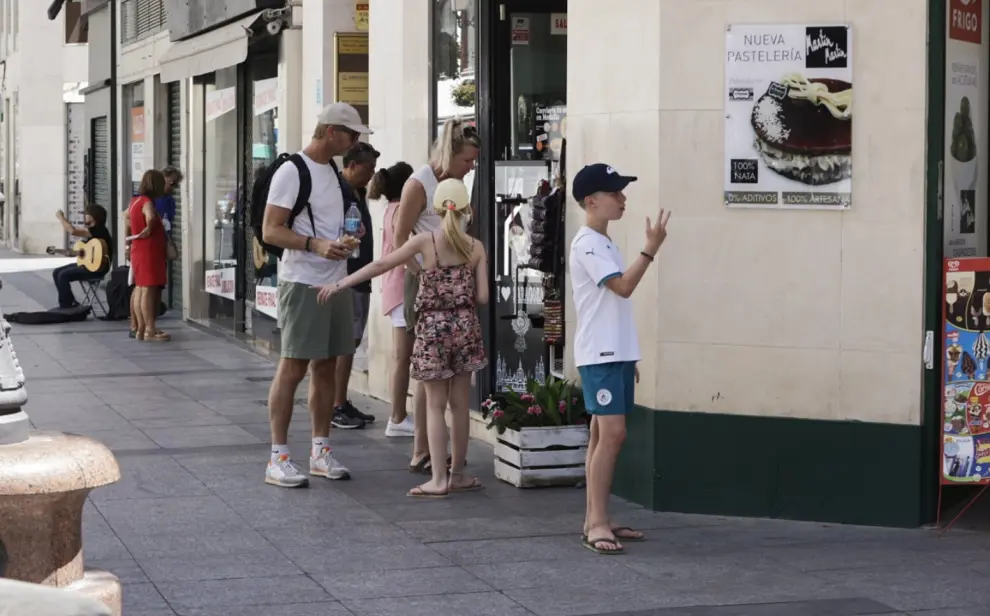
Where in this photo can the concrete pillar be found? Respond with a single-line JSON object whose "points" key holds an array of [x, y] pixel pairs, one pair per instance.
{"points": [[321, 19], [42, 120]]}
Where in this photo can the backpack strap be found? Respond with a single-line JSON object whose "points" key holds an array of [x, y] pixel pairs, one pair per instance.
{"points": [[305, 189]]}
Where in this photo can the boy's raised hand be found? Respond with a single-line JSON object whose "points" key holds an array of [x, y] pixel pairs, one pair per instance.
{"points": [[656, 234]]}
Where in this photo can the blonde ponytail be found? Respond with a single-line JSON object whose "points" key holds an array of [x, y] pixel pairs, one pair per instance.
{"points": [[454, 137], [451, 203]]}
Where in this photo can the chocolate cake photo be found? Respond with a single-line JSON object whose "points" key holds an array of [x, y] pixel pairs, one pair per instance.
{"points": [[804, 129]]}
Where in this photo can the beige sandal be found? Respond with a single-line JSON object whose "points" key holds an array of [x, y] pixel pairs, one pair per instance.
{"points": [[158, 336]]}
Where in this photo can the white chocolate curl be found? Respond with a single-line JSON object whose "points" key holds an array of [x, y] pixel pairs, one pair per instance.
{"points": [[839, 104]]}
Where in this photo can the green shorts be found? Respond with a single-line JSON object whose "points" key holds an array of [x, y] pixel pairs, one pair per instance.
{"points": [[410, 289], [313, 331]]}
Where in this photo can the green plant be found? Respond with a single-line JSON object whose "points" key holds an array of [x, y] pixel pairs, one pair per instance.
{"points": [[554, 402], [464, 93]]}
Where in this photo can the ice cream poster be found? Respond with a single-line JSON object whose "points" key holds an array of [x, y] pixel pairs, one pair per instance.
{"points": [[966, 378], [964, 173], [788, 116]]}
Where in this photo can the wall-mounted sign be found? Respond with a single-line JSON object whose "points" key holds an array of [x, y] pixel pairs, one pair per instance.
{"points": [[964, 181], [558, 23], [219, 102], [788, 122], [520, 30], [361, 15], [265, 95], [350, 82], [221, 282], [966, 20]]}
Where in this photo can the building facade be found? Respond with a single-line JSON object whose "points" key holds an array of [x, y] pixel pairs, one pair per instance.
{"points": [[43, 69], [791, 361]]}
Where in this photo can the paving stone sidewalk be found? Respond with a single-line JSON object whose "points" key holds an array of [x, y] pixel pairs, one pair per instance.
{"points": [[192, 530]]}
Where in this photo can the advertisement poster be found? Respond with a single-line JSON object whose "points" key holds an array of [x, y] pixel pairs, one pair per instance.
{"points": [[788, 116], [966, 383], [221, 282], [550, 129], [137, 143], [266, 300], [964, 175]]}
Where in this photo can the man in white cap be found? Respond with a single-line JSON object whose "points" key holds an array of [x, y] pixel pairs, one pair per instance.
{"points": [[315, 254]]}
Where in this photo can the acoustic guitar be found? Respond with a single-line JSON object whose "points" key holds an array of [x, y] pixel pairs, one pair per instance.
{"points": [[90, 254]]}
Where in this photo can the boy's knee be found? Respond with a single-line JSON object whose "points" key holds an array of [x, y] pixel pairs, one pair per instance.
{"points": [[612, 429]]}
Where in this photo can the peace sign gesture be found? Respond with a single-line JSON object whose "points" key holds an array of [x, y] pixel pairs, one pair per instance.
{"points": [[656, 234]]}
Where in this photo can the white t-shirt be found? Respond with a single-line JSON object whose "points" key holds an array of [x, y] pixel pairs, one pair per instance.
{"points": [[606, 329], [327, 203]]}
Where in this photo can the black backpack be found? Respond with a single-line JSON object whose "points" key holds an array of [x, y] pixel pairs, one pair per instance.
{"points": [[259, 198]]}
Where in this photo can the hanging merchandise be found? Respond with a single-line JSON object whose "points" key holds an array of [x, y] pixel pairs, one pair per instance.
{"points": [[553, 313]]}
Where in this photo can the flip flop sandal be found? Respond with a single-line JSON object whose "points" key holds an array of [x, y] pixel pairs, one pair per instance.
{"points": [[593, 546], [419, 492], [474, 486], [626, 539], [158, 336], [423, 467], [132, 334]]}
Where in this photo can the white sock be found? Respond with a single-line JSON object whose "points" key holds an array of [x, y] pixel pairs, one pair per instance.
{"points": [[320, 443], [278, 450]]}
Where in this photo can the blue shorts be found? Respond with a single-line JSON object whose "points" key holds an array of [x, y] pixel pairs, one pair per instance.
{"points": [[609, 389]]}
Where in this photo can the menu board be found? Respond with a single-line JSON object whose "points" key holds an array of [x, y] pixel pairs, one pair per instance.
{"points": [[966, 386]]}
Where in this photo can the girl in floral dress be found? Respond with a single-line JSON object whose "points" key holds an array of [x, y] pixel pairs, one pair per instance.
{"points": [[448, 346]]}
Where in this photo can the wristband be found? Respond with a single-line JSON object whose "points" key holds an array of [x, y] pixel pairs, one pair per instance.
{"points": [[644, 253], [308, 240]]}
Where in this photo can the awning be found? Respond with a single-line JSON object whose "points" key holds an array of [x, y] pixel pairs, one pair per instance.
{"points": [[207, 52]]}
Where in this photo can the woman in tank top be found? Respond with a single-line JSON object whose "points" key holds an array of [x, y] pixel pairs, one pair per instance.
{"points": [[453, 156], [387, 184]]}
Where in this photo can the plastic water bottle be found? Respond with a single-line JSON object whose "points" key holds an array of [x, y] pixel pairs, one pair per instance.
{"points": [[352, 225]]}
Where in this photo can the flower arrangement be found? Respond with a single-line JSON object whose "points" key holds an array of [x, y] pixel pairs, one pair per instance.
{"points": [[554, 402]]}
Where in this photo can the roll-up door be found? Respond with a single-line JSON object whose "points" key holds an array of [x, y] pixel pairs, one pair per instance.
{"points": [[101, 163], [175, 159]]}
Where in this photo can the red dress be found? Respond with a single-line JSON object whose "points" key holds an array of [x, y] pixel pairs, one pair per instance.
{"points": [[147, 254]]}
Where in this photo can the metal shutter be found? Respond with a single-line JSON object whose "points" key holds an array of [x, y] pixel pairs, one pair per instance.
{"points": [[101, 163], [175, 159]]}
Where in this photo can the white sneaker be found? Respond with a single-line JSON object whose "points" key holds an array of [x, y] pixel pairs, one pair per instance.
{"points": [[325, 465], [284, 473], [406, 427]]}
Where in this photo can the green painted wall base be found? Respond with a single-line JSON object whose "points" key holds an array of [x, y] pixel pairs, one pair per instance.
{"points": [[827, 471]]}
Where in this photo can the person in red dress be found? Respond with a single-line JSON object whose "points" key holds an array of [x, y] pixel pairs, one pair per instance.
{"points": [[147, 256]]}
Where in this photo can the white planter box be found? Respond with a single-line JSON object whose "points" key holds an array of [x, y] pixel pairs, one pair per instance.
{"points": [[540, 457]]}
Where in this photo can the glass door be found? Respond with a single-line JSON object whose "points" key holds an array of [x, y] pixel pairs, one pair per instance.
{"points": [[529, 111]]}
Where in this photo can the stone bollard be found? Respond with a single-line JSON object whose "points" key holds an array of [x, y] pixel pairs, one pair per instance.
{"points": [[44, 480]]}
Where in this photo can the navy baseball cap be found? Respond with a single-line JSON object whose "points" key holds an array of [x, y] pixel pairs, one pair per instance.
{"points": [[599, 177]]}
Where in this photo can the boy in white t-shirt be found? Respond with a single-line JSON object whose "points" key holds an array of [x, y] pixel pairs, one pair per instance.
{"points": [[606, 347]]}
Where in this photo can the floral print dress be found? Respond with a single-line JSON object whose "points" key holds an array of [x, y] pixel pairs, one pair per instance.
{"points": [[448, 332]]}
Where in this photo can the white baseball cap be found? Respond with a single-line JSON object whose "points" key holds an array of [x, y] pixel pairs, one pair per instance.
{"points": [[342, 114], [451, 194]]}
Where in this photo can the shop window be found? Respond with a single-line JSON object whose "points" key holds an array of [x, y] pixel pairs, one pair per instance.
{"points": [[220, 182], [262, 277], [141, 18], [454, 60], [76, 28]]}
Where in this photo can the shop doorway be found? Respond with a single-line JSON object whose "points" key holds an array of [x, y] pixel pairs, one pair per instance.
{"points": [[956, 413], [523, 112]]}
